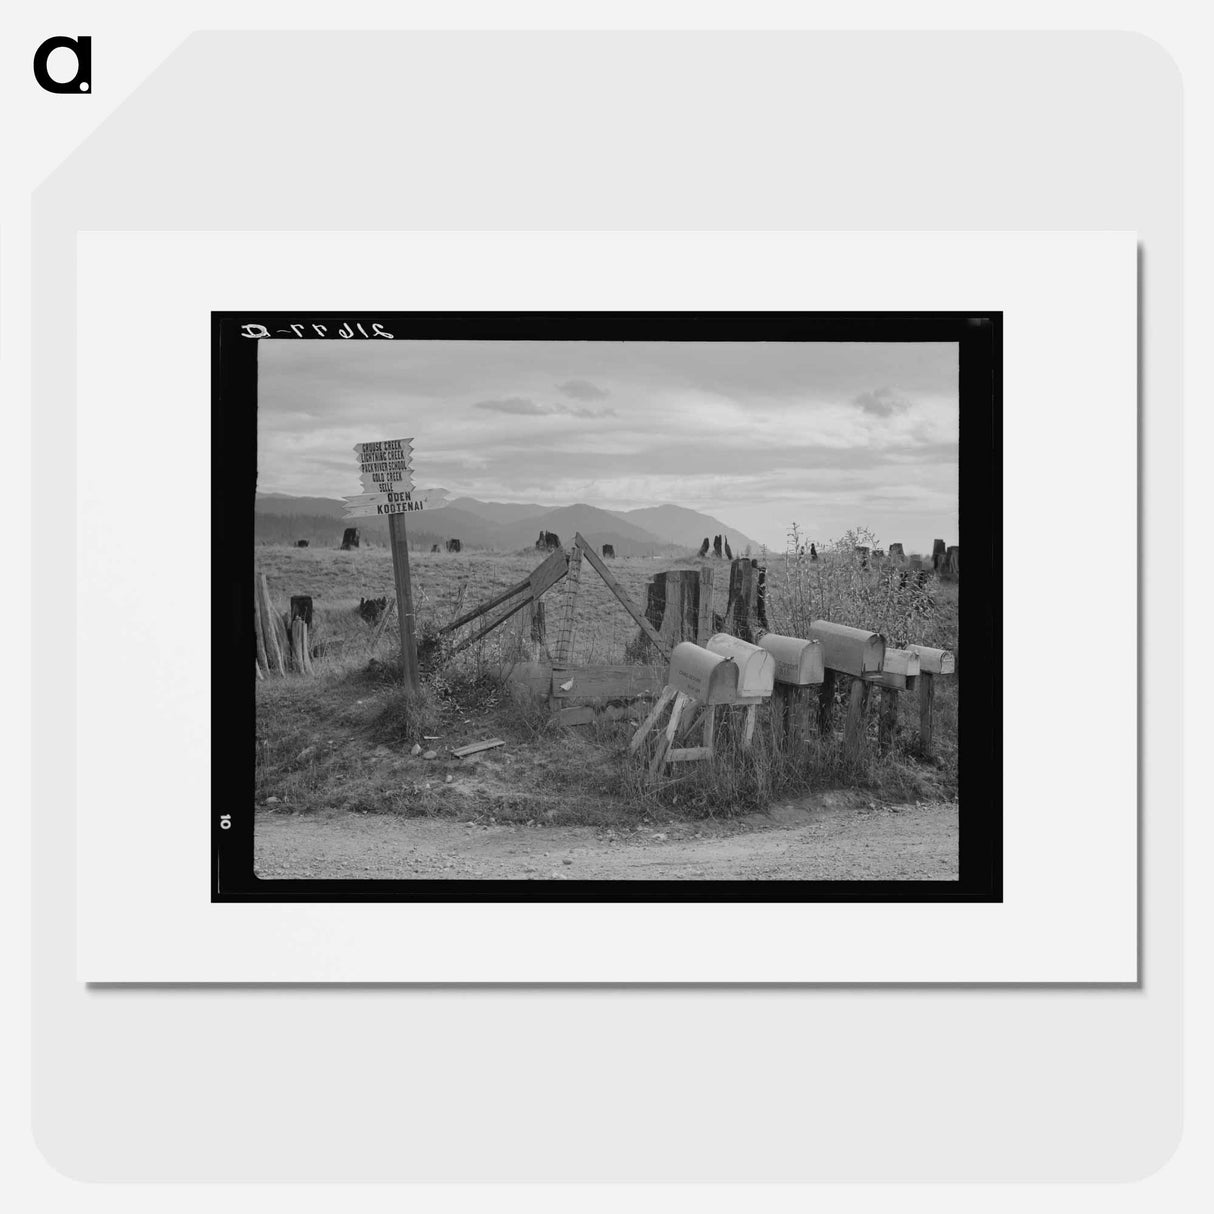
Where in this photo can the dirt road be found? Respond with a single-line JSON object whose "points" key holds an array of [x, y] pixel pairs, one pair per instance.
{"points": [[829, 837]]}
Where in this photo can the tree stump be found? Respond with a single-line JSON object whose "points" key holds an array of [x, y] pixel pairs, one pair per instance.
{"points": [[896, 552], [350, 539], [939, 552], [301, 608], [672, 605], [746, 605], [952, 559], [704, 547]]}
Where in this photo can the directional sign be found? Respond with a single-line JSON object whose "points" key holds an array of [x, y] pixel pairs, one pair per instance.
{"points": [[398, 482], [368, 499], [383, 508], [384, 444], [389, 484], [364, 505]]}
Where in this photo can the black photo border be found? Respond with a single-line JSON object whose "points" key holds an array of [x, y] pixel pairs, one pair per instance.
{"points": [[236, 338]]}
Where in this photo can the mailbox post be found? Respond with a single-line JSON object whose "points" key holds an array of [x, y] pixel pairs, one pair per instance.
{"points": [[932, 664], [798, 667]]}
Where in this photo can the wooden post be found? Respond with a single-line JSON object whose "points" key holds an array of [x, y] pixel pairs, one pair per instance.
{"points": [[399, 541], [564, 636], [826, 702], [537, 621], [672, 728], [301, 608], [857, 708], [269, 628], [746, 610], [300, 656], [262, 660], [748, 730], [672, 605], [704, 628], [927, 700], [651, 720], [888, 727], [307, 648]]}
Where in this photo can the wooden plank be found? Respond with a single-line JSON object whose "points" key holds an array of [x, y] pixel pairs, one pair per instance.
{"points": [[476, 747], [692, 722], [262, 660], [710, 719], [487, 606], [564, 636], [704, 628], [664, 742], [269, 628], [535, 676], [605, 682], [399, 541], [545, 576], [688, 754], [621, 594], [648, 723], [576, 714], [501, 619]]}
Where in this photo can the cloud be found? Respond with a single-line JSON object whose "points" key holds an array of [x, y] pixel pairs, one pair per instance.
{"points": [[512, 404], [881, 402], [525, 406], [583, 389]]}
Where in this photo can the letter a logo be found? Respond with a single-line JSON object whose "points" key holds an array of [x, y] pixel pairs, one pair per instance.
{"points": [[82, 81]]}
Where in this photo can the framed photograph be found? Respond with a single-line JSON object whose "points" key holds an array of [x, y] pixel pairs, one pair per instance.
{"points": [[606, 606]]}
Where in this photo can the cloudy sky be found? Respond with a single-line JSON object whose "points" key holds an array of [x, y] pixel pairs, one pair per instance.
{"points": [[829, 435]]}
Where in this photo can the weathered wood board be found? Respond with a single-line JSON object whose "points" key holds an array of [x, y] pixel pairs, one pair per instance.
{"points": [[605, 682]]}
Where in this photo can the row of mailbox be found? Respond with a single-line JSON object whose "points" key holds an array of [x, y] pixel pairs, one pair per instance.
{"points": [[728, 669]]}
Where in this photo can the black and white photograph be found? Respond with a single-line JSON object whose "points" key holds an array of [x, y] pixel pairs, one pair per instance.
{"points": [[606, 605]]}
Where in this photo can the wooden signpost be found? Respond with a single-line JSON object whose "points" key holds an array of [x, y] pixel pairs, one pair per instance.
{"points": [[386, 471]]}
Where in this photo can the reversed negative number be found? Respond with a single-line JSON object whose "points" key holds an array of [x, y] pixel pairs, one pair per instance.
{"points": [[346, 330]]}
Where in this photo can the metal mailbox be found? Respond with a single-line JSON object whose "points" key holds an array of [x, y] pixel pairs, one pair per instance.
{"points": [[899, 666], [934, 661], [798, 662], [706, 677], [756, 667], [853, 651]]}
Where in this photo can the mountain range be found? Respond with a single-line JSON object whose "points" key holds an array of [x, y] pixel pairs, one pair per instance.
{"points": [[498, 526]]}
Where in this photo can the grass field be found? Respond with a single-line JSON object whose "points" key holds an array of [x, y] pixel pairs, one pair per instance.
{"points": [[341, 742]]}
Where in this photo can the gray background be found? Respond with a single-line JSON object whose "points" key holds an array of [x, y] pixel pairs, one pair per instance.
{"points": [[694, 131]]}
